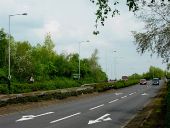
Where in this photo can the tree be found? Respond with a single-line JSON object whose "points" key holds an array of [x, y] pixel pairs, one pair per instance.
{"points": [[97, 72], [155, 38], [3, 48], [93, 60], [156, 15], [22, 66], [107, 7], [48, 43], [154, 72], [44, 58]]}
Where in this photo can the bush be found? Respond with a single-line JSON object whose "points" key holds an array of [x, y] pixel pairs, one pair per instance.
{"points": [[58, 83], [3, 88], [45, 96], [168, 106]]}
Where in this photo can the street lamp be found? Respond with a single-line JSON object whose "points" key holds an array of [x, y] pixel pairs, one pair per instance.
{"points": [[9, 49], [79, 55], [115, 63]]}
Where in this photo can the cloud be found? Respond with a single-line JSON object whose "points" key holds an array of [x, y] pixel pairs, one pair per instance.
{"points": [[53, 27]]}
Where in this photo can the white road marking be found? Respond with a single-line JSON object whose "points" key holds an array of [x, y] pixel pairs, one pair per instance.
{"points": [[113, 101], [96, 107], [65, 117], [119, 93], [131, 94], [144, 94], [123, 97], [103, 118], [30, 117]]}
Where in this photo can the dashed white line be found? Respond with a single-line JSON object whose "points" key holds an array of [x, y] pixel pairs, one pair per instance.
{"points": [[131, 94], [96, 107], [65, 117], [30, 117], [113, 101], [123, 97]]}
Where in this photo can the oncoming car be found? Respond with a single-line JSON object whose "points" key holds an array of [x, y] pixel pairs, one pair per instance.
{"points": [[143, 82], [155, 81]]}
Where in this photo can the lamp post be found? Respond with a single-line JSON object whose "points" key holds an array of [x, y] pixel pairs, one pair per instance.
{"points": [[115, 64], [9, 48], [79, 55]]}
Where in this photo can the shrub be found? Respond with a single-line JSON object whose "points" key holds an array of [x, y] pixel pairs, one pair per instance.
{"points": [[3, 88], [58, 83], [168, 106]]}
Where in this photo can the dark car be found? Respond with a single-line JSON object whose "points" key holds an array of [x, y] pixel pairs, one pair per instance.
{"points": [[143, 82], [155, 81]]}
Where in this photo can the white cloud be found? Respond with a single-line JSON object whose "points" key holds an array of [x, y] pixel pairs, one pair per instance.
{"points": [[53, 27]]}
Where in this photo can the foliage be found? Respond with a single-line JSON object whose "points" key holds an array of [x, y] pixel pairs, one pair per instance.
{"points": [[168, 106], [59, 94], [107, 7], [58, 83], [43, 64], [154, 72], [156, 15], [100, 87], [3, 48], [56, 94], [155, 38]]}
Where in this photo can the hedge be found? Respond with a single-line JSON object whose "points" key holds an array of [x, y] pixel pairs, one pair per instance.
{"points": [[114, 85], [59, 83], [168, 106], [59, 94], [48, 95]]}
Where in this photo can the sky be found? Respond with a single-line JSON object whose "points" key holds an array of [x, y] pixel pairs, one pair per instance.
{"points": [[71, 22]]}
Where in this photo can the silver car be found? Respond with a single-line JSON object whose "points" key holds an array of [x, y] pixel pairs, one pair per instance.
{"points": [[155, 81]]}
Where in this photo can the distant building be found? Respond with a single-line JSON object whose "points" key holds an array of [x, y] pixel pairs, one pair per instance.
{"points": [[125, 78]]}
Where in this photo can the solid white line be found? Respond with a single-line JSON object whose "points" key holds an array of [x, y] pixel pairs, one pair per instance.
{"points": [[131, 94], [113, 101], [123, 97], [96, 107], [65, 117]]}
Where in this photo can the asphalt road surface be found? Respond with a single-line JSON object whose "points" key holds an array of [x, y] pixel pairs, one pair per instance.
{"points": [[112, 110]]}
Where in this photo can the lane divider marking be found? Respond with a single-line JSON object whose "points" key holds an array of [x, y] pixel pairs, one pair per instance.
{"points": [[96, 107], [113, 101], [131, 94], [123, 97], [65, 117], [30, 117]]}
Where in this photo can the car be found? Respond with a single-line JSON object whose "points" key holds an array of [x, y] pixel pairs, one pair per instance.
{"points": [[155, 81], [143, 82]]}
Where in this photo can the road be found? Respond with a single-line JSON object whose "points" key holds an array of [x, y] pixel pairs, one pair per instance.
{"points": [[108, 110]]}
